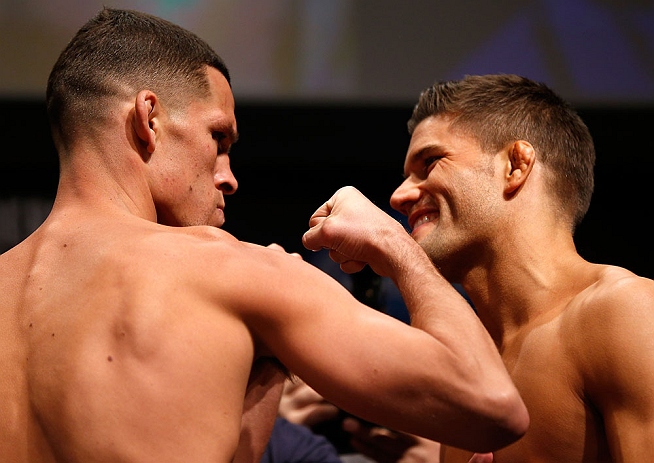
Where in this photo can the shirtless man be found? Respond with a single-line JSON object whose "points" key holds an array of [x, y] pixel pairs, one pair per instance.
{"points": [[498, 173], [134, 329]]}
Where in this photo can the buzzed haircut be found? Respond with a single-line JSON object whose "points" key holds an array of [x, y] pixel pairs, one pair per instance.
{"points": [[121, 52], [500, 109]]}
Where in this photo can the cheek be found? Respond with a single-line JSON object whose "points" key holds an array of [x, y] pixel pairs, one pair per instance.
{"points": [[476, 205], [456, 195], [202, 190], [199, 185]]}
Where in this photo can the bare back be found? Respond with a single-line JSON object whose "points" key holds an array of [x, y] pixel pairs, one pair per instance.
{"points": [[106, 348], [572, 368], [126, 340]]}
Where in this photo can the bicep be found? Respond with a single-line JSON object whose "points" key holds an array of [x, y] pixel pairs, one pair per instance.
{"points": [[363, 361], [621, 371], [627, 406], [630, 435]]}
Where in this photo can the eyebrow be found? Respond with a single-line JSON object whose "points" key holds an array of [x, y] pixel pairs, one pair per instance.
{"points": [[222, 125], [432, 149], [230, 134], [234, 135]]}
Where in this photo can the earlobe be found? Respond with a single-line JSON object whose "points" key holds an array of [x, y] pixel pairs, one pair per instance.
{"points": [[146, 109], [521, 160]]}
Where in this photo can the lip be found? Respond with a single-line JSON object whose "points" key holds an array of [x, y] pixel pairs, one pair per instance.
{"points": [[220, 219], [413, 218]]}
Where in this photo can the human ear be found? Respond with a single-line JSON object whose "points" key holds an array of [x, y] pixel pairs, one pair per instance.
{"points": [[520, 162], [146, 110]]}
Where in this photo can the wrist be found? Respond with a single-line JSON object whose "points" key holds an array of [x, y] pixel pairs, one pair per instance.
{"points": [[403, 255]]}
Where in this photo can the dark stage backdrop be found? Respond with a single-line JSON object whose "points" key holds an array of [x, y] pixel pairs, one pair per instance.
{"points": [[291, 158]]}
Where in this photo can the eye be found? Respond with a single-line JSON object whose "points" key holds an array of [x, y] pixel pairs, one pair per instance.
{"points": [[430, 160], [221, 138]]}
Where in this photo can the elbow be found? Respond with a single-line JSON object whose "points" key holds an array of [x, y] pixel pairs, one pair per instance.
{"points": [[508, 420], [488, 420]]}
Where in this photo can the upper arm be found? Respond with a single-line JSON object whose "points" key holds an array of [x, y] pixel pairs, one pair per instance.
{"points": [[619, 366], [318, 330], [365, 362]]}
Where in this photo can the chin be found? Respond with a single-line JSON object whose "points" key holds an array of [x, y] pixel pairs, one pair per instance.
{"points": [[216, 221], [432, 243], [441, 255]]}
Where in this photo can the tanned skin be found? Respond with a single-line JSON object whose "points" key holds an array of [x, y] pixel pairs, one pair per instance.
{"points": [[576, 337], [134, 329]]}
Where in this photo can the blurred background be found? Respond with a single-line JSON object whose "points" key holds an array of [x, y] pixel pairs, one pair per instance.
{"points": [[324, 89]]}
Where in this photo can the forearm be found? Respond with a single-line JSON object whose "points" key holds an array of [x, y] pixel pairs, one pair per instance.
{"points": [[432, 302], [437, 308], [459, 369], [259, 410], [467, 353]]}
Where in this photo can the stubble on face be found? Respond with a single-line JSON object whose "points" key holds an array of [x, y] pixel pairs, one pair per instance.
{"points": [[191, 196], [457, 246], [468, 213]]}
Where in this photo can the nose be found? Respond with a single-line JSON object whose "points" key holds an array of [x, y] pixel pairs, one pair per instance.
{"points": [[405, 196], [223, 177]]}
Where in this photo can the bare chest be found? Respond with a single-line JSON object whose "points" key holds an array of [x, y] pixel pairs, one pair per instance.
{"points": [[564, 426]]}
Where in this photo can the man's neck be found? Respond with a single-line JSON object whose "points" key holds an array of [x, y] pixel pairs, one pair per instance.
{"points": [[118, 186], [525, 280]]}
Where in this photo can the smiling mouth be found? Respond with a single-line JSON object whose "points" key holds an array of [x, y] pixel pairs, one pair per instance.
{"points": [[425, 218]]}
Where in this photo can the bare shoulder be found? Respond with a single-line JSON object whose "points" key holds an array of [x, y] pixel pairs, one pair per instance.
{"points": [[206, 253], [200, 246], [616, 294], [609, 325], [12, 265], [617, 281], [248, 279], [188, 257]]}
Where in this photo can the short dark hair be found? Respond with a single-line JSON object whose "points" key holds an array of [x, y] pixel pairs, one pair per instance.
{"points": [[124, 50], [500, 109]]}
